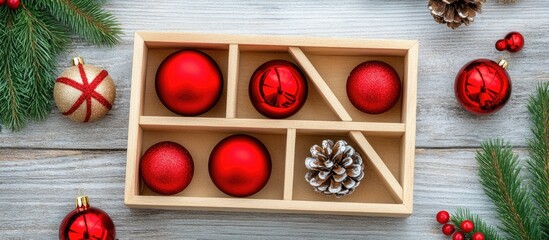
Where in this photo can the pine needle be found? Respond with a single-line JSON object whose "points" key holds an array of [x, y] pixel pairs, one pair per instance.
{"points": [[499, 172], [480, 226], [538, 150]]}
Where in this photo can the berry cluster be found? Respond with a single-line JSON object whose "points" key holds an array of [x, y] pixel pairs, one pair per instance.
{"points": [[464, 231], [13, 4]]}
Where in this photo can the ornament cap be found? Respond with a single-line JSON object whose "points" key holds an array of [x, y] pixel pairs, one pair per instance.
{"points": [[77, 61], [82, 202], [503, 63]]}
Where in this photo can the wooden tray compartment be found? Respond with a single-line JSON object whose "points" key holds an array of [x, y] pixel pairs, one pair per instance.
{"points": [[386, 141]]}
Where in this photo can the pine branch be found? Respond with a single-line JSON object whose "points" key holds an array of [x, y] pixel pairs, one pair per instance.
{"points": [[499, 172], [538, 150], [480, 225], [86, 18]]}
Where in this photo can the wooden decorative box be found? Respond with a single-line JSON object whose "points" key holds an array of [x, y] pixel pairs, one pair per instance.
{"points": [[386, 141]]}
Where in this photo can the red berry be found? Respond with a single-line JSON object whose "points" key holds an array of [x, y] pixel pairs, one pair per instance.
{"points": [[448, 229], [458, 236], [443, 217], [501, 45], [478, 236], [14, 4], [467, 226]]}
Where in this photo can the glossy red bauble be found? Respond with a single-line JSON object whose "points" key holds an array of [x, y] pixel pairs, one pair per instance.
{"points": [[448, 229], [13, 4], [501, 45], [189, 82], [86, 222], [373, 87], [477, 236], [467, 226], [482, 86], [443, 217], [515, 41], [240, 165], [166, 168], [458, 236], [278, 89]]}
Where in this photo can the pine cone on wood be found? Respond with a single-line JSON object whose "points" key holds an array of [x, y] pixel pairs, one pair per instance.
{"points": [[334, 168], [453, 13]]}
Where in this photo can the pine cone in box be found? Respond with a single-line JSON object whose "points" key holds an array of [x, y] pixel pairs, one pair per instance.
{"points": [[334, 169], [455, 12]]}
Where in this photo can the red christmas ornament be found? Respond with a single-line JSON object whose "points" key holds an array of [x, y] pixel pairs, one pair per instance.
{"points": [[167, 168], [458, 236], [86, 222], [443, 217], [13, 4], [240, 165], [467, 226], [483, 86], [448, 229], [501, 45], [2, 2], [278, 89], [478, 236], [189, 82], [515, 41], [373, 87]]}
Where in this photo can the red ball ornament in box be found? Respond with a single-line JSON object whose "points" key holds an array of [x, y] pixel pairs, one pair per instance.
{"points": [[167, 168], [240, 165], [86, 222], [373, 87], [189, 82], [483, 86], [278, 89]]}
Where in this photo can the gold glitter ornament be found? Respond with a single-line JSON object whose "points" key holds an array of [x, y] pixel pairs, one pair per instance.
{"points": [[83, 92]]}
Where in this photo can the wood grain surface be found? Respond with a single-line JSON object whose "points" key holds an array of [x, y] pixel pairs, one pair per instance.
{"points": [[43, 166]]}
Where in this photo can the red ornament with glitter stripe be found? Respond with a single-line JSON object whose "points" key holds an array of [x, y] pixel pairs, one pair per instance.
{"points": [[84, 93]]}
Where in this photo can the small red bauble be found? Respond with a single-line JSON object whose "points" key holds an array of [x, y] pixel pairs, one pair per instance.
{"points": [[189, 82], [13, 4], [443, 217], [240, 165], [86, 222], [448, 229], [166, 168], [373, 87], [483, 86], [278, 89], [467, 226], [515, 41], [458, 236], [501, 45], [478, 236]]}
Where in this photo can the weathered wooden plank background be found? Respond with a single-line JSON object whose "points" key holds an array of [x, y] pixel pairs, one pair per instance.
{"points": [[43, 166]]}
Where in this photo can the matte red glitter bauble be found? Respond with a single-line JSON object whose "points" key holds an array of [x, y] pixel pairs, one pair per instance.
{"points": [[278, 89], [86, 222], [515, 41], [483, 86], [167, 168], [373, 87], [240, 165], [189, 82]]}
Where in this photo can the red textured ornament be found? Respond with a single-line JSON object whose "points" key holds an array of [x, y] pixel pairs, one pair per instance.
{"points": [[278, 89], [373, 87], [189, 82], [482, 86], [240, 165], [478, 236], [448, 229], [86, 223], [167, 168], [443, 217], [458, 236], [467, 226], [13, 4], [515, 41], [501, 45]]}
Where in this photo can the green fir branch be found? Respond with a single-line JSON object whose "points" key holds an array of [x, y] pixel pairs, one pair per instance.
{"points": [[85, 17], [538, 150], [499, 172], [480, 225]]}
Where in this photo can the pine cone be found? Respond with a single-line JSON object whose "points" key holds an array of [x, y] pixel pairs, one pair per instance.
{"points": [[334, 169], [455, 12]]}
